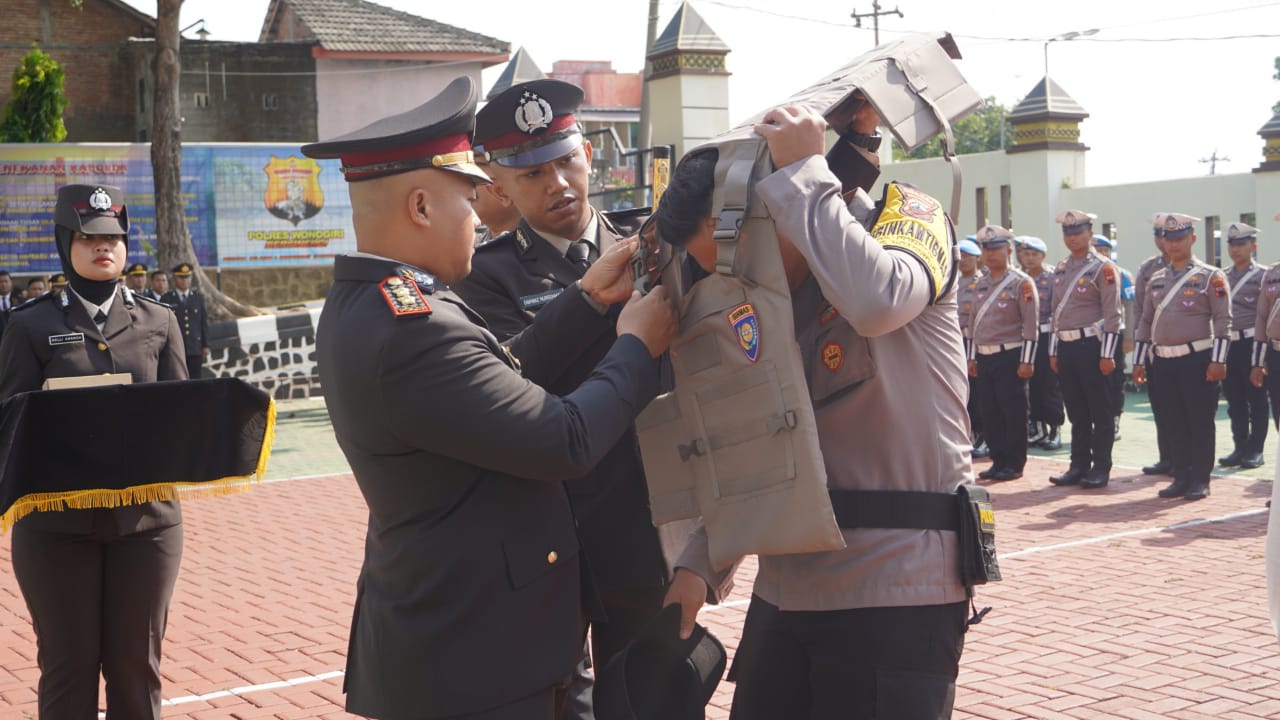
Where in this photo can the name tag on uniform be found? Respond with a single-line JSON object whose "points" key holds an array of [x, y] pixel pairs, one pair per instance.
{"points": [[68, 339], [533, 302]]}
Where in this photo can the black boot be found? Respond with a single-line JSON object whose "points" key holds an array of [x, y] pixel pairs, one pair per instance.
{"points": [[1035, 432], [1231, 460], [1177, 488], [1197, 490], [1250, 460], [1162, 467], [1096, 479], [1072, 476], [1052, 439]]}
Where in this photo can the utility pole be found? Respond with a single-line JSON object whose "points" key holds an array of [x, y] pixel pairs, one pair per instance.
{"points": [[875, 17], [1213, 161]]}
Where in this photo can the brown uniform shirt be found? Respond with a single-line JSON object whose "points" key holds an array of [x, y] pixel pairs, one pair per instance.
{"points": [[1044, 295], [1245, 287], [1200, 310], [1267, 322], [1086, 293], [1011, 315]]}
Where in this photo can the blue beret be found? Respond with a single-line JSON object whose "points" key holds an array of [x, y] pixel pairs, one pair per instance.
{"points": [[1103, 241], [969, 247], [1033, 243]]}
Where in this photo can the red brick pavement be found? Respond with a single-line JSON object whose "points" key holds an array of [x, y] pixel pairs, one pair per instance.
{"points": [[1112, 607]]}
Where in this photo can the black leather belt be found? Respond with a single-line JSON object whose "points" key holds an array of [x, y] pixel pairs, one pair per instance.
{"points": [[895, 509]]}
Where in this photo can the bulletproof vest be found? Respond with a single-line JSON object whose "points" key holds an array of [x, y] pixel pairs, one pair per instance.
{"points": [[736, 441]]}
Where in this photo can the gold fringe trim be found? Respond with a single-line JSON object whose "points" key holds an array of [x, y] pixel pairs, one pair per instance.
{"points": [[141, 494]]}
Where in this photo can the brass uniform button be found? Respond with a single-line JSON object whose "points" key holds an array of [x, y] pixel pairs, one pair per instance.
{"points": [[102, 346], [552, 557]]}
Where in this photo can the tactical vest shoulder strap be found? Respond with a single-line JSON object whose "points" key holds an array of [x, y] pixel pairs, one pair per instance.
{"points": [[732, 199]]}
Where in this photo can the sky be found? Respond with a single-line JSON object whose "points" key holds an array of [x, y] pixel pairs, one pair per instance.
{"points": [[1167, 83]]}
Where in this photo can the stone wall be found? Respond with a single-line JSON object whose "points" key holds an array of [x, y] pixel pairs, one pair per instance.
{"points": [[272, 286]]}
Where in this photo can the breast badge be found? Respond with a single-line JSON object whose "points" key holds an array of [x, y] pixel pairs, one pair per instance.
{"points": [[744, 322], [404, 298], [832, 356]]}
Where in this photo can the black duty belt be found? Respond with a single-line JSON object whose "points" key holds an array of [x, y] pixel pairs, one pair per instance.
{"points": [[902, 509]]}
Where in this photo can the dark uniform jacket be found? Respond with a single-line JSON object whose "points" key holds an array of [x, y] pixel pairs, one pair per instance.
{"points": [[191, 317], [512, 278], [470, 593], [53, 336]]}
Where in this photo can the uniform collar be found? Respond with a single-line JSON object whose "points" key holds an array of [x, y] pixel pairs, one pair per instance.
{"points": [[90, 307], [589, 234]]}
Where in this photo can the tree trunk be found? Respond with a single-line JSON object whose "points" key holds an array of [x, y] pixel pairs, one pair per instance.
{"points": [[173, 241]]}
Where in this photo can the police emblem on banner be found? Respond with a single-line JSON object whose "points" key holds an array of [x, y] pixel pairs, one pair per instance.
{"points": [[744, 322], [293, 188]]}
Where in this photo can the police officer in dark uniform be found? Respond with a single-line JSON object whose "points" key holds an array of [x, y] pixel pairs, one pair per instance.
{"points": [[539, 161], [469, 601], [1086, 330], [97, 582], [135, 278], [1186, 330], [1046, 411], [1003, 333], [188, 305], [57, 282], [1246, 404]]}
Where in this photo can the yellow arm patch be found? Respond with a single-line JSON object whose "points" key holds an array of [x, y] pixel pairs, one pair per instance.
{"points": [[913, 222]]}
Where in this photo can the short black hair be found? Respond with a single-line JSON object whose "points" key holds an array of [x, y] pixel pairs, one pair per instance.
{"points": [[4, 273], [687, 202], [155, 273]]}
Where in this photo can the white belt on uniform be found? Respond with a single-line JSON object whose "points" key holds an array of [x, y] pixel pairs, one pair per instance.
{"points": [[993, 349], [1073, 335], [1175, 351], [1242, 334], [1046, 327]]}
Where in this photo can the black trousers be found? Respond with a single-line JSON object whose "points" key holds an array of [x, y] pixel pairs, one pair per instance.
{"points": [[1084, 391], [975, 413], [1272, 383], [1246, 404], [1044, 390], [1157, 392], [1115, 381], [195, 367], [98, 600], [1192, 405], [892, 663], [1002, 400]]}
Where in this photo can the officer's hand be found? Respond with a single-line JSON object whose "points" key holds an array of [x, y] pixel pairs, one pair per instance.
{"points": [[1216, 372], [864, 121], [973, 368], [689, 592], [1140, 374], [1257, 376], [1053, 364], [1106, 366], [793, 132], [608, 280], [1026, 370], [651, 319]]}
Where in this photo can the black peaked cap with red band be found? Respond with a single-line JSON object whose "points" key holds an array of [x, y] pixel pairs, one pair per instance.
{"points": [[92, 209], [436, 134], [530, 123]]}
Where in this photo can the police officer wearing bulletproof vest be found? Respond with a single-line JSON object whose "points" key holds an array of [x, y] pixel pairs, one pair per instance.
{"points": [[469, 601], [1086, 330], [97, 582], [1186, 330], [1003, 334], [1155, 385], [1046, 413], [188, 305], [1246, 404], [540, 162]]}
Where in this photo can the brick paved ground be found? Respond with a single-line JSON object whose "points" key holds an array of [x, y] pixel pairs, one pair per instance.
{"points": [[1115, 604]]}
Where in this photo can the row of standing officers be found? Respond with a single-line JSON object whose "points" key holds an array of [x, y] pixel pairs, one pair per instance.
{"points": [[1028, 335]]}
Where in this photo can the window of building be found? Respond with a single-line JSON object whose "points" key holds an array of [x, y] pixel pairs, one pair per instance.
{"points": [[1006, 206], [1212, 243], [202, 100], [980, 207], [270, 101]]}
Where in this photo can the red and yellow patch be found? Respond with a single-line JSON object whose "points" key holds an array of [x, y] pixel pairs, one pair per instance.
{"points": [[1028, 291], [827, 314], [404, 297], [1109, 274], [1219, 284], [833, 356]]}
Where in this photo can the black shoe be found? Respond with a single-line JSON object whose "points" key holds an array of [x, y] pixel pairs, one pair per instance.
{"points": [[1251, 461], [1007, 474], [1231, 460], [1163, 467], [981, 450], [1072, 476], [1096, 479], [1177, 488], [988, 473], [1197, 491], [1052, 440]]}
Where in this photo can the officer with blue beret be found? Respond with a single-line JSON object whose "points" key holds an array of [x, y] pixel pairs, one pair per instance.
{"points": [[1046, 414]]}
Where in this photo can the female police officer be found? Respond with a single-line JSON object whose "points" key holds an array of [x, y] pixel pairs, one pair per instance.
{"points": [[96, 581]]}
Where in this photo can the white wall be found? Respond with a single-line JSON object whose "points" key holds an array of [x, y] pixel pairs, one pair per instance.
{"points": [[353, 93]]}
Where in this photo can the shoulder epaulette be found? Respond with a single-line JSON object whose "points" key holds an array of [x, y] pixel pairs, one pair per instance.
{"points": [[140, 296], [404, 297], [28, 304], [497, 241]]}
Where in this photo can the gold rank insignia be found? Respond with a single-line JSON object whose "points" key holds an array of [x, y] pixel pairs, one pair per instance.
{"points": [[404, 298]]}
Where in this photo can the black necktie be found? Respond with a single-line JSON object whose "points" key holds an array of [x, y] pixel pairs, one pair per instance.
{"points": [[579, 254], [100, 318]]}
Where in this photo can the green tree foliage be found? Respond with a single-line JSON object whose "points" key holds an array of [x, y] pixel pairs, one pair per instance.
{"points": [[981, 131], [34, 112]]}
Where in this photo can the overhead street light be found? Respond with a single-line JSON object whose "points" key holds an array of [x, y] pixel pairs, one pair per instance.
{"points": [[1064, 37]]}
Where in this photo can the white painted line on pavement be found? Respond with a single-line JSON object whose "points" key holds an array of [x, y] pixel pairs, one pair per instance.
{"points": [[1130, 533], [247, 689]]}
